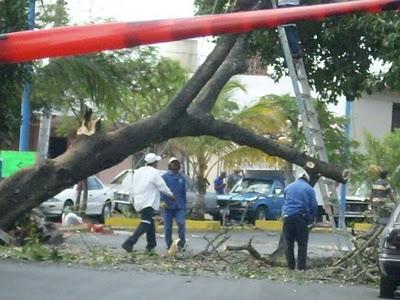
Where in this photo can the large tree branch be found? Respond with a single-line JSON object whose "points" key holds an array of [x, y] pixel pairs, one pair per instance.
{"points": [[234, 63], [207, 125], [185, 96]]}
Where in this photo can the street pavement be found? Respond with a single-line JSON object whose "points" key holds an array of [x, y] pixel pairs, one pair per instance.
{"points": [[320, 244], [25, 281]]}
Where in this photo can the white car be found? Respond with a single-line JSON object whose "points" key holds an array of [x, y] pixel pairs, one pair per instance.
{"points": [[99, 202], [122, 187]]}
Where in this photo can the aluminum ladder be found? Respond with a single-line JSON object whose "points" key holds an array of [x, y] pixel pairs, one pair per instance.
{"points": [[312, 130]]}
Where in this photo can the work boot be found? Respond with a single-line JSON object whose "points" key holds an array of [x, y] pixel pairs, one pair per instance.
{"points": [[127, 247]]}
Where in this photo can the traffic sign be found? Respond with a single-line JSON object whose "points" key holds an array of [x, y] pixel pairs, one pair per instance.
{"points": [[13, 161]]}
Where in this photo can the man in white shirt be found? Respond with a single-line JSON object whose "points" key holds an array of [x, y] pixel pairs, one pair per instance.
{"points": [[147, 185]]}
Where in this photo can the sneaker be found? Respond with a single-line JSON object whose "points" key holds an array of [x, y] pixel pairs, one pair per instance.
{"points": [[127, 248]]}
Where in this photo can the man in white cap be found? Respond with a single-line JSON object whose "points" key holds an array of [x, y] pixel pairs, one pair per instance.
{"points": [[175, 209], [147, 185], [299, 209]]}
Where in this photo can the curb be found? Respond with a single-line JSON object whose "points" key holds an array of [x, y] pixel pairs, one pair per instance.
{"points": [[362, 227], [123, 223], [269, 225], [129, 223]]}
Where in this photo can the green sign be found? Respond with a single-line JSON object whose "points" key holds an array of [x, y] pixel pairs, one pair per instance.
{"points": [[13, 161]]}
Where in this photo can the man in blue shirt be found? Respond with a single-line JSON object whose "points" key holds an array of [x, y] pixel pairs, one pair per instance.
{"points": [[175, 209], [299, 209], [219, 185]]}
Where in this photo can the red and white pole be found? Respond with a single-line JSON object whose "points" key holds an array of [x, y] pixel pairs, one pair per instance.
{"points": [[76, 40]]}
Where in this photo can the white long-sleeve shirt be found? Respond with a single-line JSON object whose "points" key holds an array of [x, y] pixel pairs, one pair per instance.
{"points": [[147, 185]]}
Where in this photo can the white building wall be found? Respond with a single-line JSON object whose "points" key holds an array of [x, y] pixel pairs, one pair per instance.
{"points": [[185, 52], [373, 114]]}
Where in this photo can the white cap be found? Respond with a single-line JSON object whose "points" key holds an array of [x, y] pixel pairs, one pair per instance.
{"points": [[305, 176], [151, 157], [173, 159]]}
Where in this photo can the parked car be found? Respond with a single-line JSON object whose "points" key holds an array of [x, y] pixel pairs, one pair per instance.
{"points": [[99, 202], [122, 185], [358, 204], [253, 198], [389, 256]]}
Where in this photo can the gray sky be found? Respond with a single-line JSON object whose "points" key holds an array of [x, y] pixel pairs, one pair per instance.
{"points": [[85, 11]]}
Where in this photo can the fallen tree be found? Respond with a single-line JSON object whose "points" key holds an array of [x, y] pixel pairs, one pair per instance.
{"points": [[188, 114]]}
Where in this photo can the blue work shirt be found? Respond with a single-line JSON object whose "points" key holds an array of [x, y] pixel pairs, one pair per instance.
{"points": [[177, 184], [218, 182], [300, 198]]}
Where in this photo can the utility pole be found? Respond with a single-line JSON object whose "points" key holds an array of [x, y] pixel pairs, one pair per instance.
{"points": [[26, 94], [343, 190], [45, 118], [44, 135]]}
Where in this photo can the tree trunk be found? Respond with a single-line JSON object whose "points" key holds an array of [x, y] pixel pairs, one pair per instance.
{"points": [[202, 183]]}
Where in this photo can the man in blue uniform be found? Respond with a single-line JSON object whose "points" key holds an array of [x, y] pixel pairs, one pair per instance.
{"points": [[299, 209], [175, 209], [219, 184]]}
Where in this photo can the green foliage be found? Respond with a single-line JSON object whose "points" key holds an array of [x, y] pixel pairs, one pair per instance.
{"points": [[52, 14], [100, 256], [381, 155], [338, 52], [123, 86], [13, 17], [278, 117], [199, 150], [34, 250]]}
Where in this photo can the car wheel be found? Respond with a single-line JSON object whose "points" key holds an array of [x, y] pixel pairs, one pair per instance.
{"points": [[387, 287], [261, 213], [106, 213]]}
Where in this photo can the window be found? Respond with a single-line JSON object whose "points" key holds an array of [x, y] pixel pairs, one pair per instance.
{"points": [[396, 116], [94, 184], [120, 178], [259, 186]]}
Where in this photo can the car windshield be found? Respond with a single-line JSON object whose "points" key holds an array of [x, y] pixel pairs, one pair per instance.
{"points": [[397, 218], [120, 178], [363, 190], [258, 186]]}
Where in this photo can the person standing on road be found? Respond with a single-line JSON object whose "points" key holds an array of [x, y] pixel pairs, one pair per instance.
{"points": [[233, 179], [219, 184], [147, 185], [382, 198], [175, 209], [299, 209]]}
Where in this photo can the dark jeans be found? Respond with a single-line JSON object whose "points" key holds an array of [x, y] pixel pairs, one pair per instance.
{"points": [[146, 226], [295, 228], [293, 36], [179, 216]]}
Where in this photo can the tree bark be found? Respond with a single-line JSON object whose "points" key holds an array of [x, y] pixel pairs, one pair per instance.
{"points": [[91, 154]]}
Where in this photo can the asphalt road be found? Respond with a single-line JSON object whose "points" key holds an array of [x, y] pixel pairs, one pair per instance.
{"points": [[49, 281], [320, 244]]}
